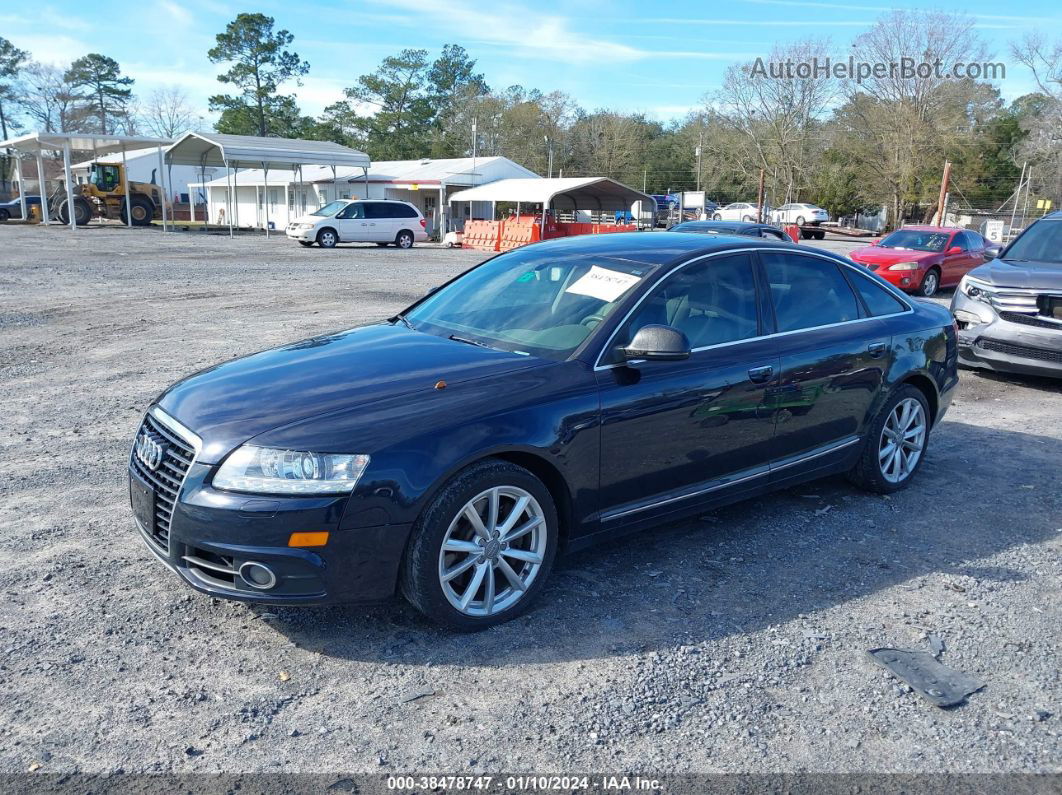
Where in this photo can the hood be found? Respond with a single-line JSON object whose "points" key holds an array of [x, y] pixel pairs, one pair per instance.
{"points": [[238, 400], [308, 219], [1001, 273], [877, 255]]}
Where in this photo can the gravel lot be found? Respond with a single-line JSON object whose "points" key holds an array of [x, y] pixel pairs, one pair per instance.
{"points": [[732, 643]]}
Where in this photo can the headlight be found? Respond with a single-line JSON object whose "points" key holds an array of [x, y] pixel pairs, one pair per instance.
{"points": [[307, 226], [905, 266], [979, 291], [265, 470]]}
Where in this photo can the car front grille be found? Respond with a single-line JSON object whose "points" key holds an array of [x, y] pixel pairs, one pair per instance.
{"points": [[1022, 351], [1031, 320], [166, 480]]}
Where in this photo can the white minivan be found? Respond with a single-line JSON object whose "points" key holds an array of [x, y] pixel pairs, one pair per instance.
{"points": [[379, 221]]}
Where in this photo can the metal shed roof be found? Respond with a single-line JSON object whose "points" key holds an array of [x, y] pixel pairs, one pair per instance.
{"points": [[563, 193], [86, 142], [249, 151]]}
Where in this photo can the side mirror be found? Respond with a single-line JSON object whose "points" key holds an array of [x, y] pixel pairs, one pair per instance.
{"points": [[954, 250], [991, 252], [658, 343]]}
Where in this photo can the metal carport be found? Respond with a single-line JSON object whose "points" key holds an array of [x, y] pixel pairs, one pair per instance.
{"points": [[234, 152], [560, 193], [36, 143]]}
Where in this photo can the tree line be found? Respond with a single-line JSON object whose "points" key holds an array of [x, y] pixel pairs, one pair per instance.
{"points": [[849, 146]]}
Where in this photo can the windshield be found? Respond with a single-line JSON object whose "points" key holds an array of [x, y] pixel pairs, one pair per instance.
{"points": [[331, 208], [529, 301], [1040, 242], [915, 240]]}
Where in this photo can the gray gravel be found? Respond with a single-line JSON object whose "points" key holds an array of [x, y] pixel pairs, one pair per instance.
{"points": [[735, 642]]}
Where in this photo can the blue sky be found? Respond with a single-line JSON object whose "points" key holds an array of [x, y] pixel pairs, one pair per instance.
{"points": [[659, 58]]}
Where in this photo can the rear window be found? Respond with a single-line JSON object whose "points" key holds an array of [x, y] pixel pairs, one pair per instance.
{"points": [[807, 291], [403, 211]]}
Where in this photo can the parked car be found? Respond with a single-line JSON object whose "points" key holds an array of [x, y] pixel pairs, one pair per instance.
{"points": [[13, 208], [800, 214], [739, 211], [922, 259], [732, 228], [379, 221], [1009, 311], [554, 396]]}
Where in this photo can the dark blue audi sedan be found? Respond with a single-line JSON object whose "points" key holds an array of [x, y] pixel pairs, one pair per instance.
{"points": [[551, 397]]}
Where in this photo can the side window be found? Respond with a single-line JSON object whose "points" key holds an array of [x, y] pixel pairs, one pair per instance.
{"points": [[807, 291], [773, 234], [404, 211], [974, 242], [711, 302], [374, 209], [960, 241], [878, 300]]}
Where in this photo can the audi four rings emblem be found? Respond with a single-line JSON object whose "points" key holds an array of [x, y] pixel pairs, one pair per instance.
{"points": [[149, 451]]}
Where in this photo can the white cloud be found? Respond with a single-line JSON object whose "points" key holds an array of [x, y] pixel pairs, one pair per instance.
{"points": [[51, 48], [177, 13]]}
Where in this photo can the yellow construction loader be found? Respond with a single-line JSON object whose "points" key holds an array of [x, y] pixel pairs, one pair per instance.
{"points": [[104, 196]]}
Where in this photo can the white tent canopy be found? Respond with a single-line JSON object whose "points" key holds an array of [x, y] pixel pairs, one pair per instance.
{"points": [[248, 151], [563, 193], [35, 144]]}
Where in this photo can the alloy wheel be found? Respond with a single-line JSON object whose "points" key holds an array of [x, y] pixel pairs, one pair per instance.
{"points": [[902, 440], [492, 551], [929, 284]]}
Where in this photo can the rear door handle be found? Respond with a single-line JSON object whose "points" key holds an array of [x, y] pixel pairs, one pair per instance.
{"points": [[876, 349], [758, 375]]}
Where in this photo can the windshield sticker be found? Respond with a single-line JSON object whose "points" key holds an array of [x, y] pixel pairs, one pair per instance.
{"points": [[603, 284]]}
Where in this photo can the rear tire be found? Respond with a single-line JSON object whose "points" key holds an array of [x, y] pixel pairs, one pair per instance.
{"points": [[327, 238], [493, 578], [404, 239], [717, 217], [4, 216], [800, 220], [903, 424]]}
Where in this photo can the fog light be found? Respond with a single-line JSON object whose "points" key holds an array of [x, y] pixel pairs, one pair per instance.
{"points": [[905, 281], [258, 575], [968, 317]]}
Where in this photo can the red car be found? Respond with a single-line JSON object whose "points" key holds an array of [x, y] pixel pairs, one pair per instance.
{"points": [[921, 259]]}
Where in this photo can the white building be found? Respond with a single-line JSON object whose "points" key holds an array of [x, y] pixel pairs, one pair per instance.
{"points": [[425, 183], [143, 166]]}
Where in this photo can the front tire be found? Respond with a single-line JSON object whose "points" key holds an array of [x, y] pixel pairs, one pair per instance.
{"points": [[800, 220], [142, 209], [327, 238], [896, 443], [4, 216], [930, 283], [481, 552], [404, 239], [717, 217]]}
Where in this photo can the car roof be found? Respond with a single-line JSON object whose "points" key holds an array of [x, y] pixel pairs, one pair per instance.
{"points": [[722, 225], [658, 248]]}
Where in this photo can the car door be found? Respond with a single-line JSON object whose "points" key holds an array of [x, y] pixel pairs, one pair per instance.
{"points": [[975, 254], [954, 266], [351, 223], [833, 358], [377, 223], [674, 434]]}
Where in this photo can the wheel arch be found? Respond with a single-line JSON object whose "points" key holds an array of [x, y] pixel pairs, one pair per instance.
{"points": [[535, 463], [326, 228], [928, 387]]}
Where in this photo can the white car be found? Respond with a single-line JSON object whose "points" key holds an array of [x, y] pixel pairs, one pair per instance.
{"points": [[740, 211], [379, 221], [800, 214]]}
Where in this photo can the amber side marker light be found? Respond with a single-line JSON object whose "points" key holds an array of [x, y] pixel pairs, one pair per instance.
{"points": [[318, 539]]}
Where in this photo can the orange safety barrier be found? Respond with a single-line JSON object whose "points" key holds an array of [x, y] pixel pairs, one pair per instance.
{"points": [[793, 231], [482, 235]]}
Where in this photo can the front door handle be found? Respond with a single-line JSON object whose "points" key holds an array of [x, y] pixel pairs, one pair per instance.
{"points": [[758, 375], [876, 349]]}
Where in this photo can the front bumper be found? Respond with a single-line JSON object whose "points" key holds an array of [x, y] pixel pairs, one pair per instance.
{"points": [[903, 280], [1023, 344], [301, 234], [213, 534]]}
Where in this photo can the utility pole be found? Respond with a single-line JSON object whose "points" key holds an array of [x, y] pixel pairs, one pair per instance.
{"points": [[475, 140], [700, 143], [938, 217], [759, 199], [549, 146], [1017, 198], [645, 177]]}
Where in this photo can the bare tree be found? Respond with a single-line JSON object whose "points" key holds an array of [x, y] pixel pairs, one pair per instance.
{"points": [[1043, 125], [777, 115], [49, 99], [167, 112]]}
